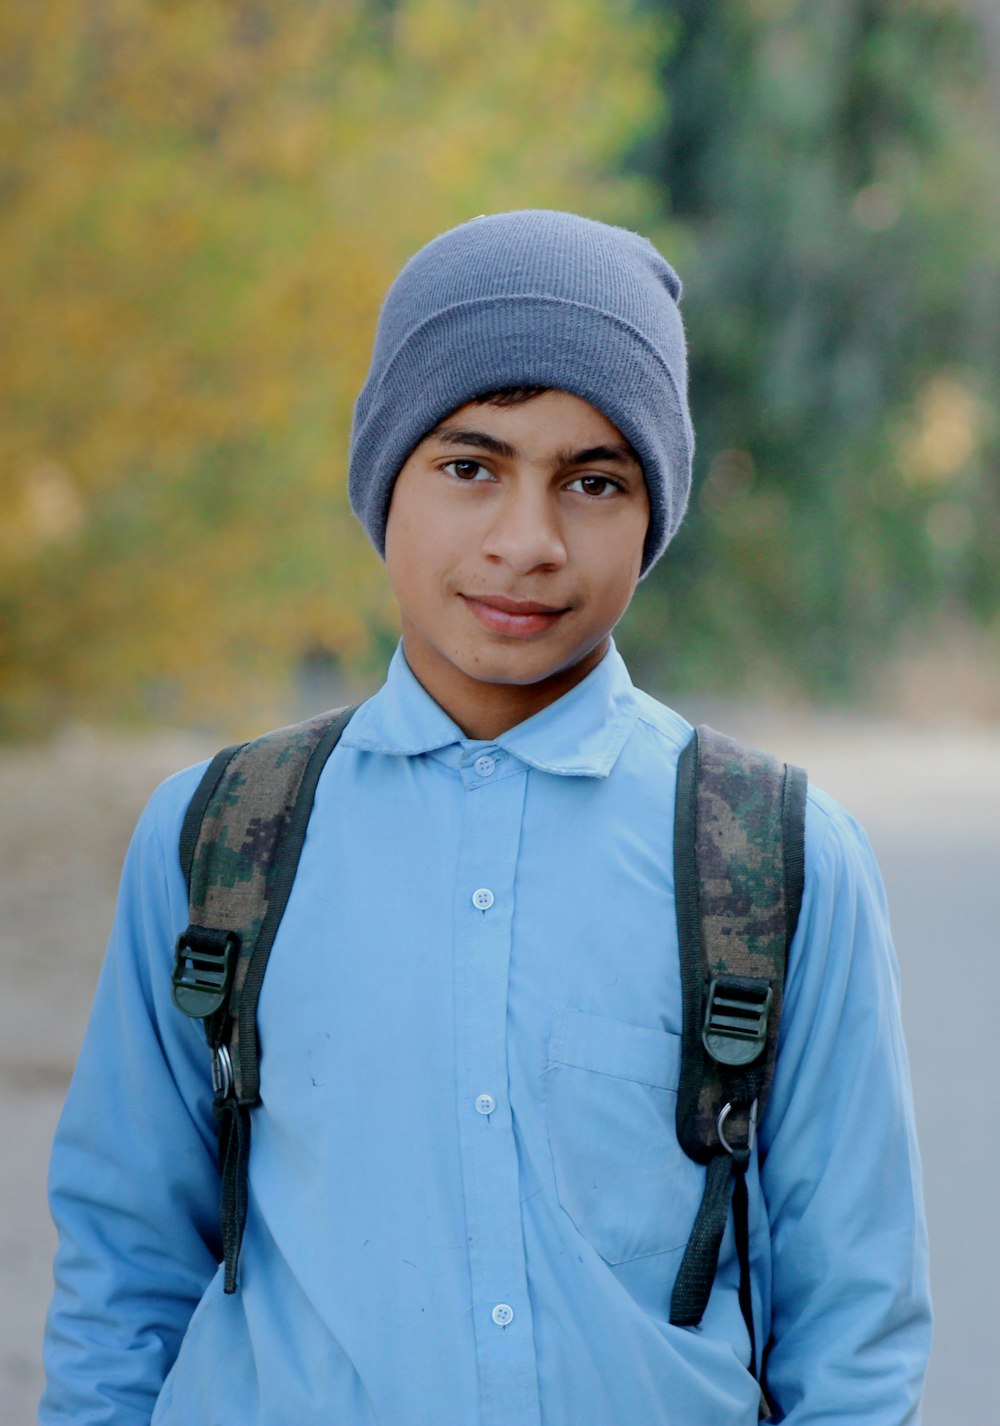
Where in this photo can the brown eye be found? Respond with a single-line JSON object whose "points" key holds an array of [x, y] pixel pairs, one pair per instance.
{"points": [[596, 485], [465, 469]]}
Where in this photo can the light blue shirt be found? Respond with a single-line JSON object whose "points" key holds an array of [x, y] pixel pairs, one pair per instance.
{"points": [[467, 1200]]}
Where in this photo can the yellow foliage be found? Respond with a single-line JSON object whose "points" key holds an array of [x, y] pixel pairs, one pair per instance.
{"points": [[206, 202], [946, 432]]}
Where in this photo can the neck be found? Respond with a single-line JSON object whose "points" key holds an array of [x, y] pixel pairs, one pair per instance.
{"points": [[485, 710]]}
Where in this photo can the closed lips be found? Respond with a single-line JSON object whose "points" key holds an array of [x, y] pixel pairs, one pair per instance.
{"points": [[514, 606]]}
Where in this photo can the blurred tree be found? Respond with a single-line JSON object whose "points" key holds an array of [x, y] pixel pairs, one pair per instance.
{"points": [[204, 203], [835, 167]]}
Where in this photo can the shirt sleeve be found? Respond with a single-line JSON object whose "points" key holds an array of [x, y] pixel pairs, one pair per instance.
{"points": [[133, 1182], [840, 1173]]}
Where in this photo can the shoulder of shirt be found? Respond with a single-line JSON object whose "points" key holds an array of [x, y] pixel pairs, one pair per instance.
{"points": [[163, 814], [663, 724], [834, 837], [830, 828]]}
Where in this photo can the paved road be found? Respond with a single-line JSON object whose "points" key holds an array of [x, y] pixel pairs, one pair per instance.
{"points": [[929, 799]]}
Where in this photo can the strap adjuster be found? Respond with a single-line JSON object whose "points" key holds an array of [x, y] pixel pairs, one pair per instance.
{"points": [[735, 1028], [204, 966]]}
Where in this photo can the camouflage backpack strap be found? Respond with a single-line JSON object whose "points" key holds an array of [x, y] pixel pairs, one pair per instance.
{"points": [[239, 847], [739, 854]]}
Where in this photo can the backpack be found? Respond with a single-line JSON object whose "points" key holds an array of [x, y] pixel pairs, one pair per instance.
{"points": [[739, 868]]}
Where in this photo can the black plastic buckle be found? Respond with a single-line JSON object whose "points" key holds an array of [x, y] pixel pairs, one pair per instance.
{"points": [[735, 1028], [204, 965]]}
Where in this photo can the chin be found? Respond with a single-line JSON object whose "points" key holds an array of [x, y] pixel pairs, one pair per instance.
{"points": [[520, 669], [504, 674]]}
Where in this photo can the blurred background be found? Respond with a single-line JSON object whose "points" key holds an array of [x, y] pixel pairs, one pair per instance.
{"points": [[204, 201]]}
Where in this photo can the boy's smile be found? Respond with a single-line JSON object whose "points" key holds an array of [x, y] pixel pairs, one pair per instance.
{"points": [[518, 618], [514, 544]]}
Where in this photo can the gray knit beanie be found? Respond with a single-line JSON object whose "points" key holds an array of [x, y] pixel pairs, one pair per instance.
{"points": [[530, 298]]}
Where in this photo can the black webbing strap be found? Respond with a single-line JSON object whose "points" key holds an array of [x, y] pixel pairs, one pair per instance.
{"points": [[741, 1225], [701, 1256], [233, 1122], [725, 1179]]}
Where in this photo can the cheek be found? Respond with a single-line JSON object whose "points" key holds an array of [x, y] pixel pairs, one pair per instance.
{"points": [[404, 534], [401, 567], [424, 524], [419, 562], [620, 562], [619, 595]]}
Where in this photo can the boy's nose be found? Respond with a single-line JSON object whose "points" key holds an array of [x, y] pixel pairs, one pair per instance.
{"points": [[525, 532]]}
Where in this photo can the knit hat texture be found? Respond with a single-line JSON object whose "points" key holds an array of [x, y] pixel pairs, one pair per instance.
{"points": [[529, 298]]}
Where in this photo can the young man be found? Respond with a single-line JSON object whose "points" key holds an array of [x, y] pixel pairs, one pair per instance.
{"points": [[467, 1201]]}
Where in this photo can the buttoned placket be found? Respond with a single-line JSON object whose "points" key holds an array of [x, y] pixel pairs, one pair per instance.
{"points": [[494, 801]]}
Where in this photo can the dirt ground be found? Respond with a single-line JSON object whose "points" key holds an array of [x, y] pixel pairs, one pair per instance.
{"points": [[929, 797], [66, 814]]}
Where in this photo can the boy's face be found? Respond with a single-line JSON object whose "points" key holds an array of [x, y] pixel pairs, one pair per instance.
{"points": [[513, 545]]}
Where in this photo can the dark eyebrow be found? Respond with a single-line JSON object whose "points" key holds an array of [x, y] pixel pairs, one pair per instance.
{"points": [[456, 436], [622, 455], [459, 436]]}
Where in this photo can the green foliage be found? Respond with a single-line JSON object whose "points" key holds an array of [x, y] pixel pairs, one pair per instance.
{"points": [[206, 202], [835, 169], [206, 199]]}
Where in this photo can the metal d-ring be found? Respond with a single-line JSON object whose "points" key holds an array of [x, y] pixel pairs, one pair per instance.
{"points": [[724, 1114], [222, 1071]]}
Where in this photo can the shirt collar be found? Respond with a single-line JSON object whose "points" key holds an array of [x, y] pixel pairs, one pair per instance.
{"points": [[580, 734]]}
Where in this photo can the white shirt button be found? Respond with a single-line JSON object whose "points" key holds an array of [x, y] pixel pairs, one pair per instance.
{"points": [[482, 899], [502, 1314], [485, 1103], [485, 765]]}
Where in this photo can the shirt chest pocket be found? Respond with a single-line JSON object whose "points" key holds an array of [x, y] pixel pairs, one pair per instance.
{"points": [[610, 1105]]}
